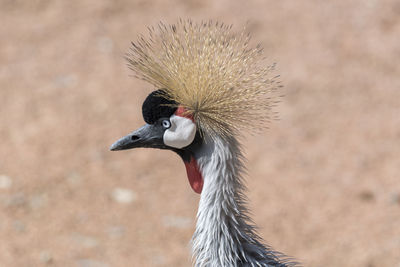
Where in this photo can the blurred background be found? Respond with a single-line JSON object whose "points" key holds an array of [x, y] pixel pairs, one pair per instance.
{"points": [[324, 180]]}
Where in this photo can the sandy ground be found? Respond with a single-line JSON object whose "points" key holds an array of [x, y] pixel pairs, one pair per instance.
{"points": [[324, 181]]}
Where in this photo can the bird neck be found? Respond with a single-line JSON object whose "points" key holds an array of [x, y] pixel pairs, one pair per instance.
{"points": [[224, 236]]}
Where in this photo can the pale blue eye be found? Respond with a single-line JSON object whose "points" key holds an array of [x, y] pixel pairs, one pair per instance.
{"points": [[166, 124]]}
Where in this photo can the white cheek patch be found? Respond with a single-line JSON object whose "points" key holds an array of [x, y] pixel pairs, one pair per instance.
{"points": [[181, 133]]}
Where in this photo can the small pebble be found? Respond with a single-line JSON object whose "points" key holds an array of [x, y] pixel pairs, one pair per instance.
{"points": [[367, 196], [5, 182], [73, 178], [45, 257], [91, 263], [177, 222], [105, 45], [66, 81], [16, 200], [395, 198], [123, 196], [38, 201], [158, 259], [85, 241], [19, 226], [115, 231]]}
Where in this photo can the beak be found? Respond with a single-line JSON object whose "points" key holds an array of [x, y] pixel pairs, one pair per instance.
{"points": [[146, 136]]}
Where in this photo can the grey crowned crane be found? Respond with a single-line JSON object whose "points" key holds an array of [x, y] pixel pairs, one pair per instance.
{"points": [[212, 84]]}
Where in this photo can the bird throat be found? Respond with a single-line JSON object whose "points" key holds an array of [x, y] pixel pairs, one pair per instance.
{"points": [[194, 175], [192, 168]]}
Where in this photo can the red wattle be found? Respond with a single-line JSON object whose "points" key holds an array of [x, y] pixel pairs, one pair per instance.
{"points": [[192, 168], [194, 175]]}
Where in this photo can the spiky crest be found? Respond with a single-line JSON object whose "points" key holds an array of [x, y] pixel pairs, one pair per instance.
{"points": [[215, 74]]}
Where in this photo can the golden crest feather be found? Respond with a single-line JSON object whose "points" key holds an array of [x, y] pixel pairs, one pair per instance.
{"points": [[209, 70]]}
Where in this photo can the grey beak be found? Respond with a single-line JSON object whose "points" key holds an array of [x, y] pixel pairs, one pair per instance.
{"points": [[146, 136], [125, 142]]}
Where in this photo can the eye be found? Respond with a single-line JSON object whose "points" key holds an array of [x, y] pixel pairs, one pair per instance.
{"points": [[166, 124]]}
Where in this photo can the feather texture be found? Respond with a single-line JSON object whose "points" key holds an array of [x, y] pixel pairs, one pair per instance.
{"points": [[212, 72], [225, 236]]}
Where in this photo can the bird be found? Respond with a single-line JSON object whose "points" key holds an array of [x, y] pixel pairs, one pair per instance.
{"points": [[211, 86]]}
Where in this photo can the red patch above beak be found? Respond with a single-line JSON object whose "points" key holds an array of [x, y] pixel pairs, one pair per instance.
{"points": [[182, 112]]}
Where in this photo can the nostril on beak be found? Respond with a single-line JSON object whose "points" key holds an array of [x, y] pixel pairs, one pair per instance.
{"points": [[134, 137]]}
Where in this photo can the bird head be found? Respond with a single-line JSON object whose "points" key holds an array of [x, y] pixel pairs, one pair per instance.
{"points": [[168, 126]]}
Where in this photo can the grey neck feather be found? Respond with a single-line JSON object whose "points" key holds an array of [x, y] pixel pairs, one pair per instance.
{"points": [[224, 234]]}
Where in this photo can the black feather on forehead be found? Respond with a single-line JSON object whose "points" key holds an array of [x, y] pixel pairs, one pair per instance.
{"points": [[157, 106]]}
